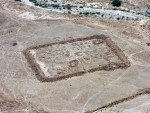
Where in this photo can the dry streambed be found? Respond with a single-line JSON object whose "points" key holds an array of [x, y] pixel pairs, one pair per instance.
{"points": [[83, 9]]}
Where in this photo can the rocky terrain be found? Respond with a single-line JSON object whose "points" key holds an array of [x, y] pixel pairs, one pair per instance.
{"points": [[123, 88]]}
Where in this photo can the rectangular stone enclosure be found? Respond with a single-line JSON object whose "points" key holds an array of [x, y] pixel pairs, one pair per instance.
{"points": [[74, 57]]}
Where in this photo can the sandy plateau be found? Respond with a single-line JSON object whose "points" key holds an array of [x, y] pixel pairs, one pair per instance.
{"points": [[58, 63]]}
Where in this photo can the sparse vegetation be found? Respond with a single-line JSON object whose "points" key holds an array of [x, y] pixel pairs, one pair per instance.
{"points": [[80, 6], [118, 18], [116, 3], [69, 12], [68, 6], [44, 6], [86, 13], [34, 1], [55, 5], [98, 13]]}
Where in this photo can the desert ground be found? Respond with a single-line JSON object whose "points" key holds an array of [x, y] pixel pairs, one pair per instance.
{"points": [[34, 44]]}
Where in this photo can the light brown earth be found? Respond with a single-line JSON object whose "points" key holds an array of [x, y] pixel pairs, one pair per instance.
{"points": [[124, 90]]}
